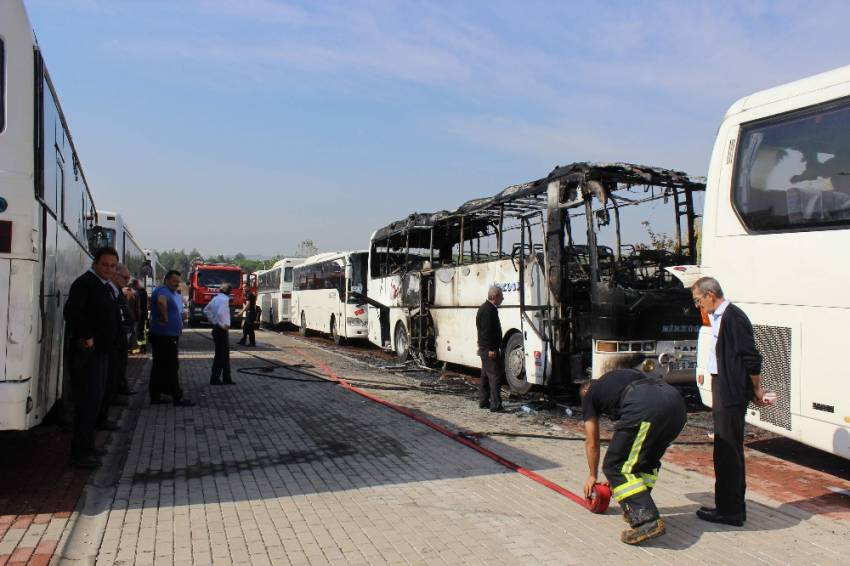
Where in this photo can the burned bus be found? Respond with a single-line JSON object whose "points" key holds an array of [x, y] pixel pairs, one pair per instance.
{"points": [[584, 292]]}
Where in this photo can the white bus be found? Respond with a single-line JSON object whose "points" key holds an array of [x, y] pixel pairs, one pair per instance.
{"points": [[130, 253], [47, 226], [776, 228], [274, 291], [328, 295], [584, 292]]}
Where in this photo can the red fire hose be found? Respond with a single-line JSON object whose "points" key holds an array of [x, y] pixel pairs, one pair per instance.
{"points": [[600, 496]]}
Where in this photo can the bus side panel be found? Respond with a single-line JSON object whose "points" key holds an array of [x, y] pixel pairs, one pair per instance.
{"points": [[458, 292], [384, 290], [5, 266]]}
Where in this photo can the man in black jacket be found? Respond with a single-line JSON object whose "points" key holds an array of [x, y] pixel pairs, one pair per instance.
{"points": [[116, 382], [735, 367], [489, 348], [93, 325]]}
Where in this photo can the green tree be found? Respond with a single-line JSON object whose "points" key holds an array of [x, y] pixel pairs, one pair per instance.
{"points": [[306, 248]]}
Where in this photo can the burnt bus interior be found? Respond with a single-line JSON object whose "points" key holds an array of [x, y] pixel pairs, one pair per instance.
{"points": [[569, 223]]}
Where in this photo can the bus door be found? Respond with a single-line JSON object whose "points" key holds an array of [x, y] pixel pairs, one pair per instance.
{"points": [[50, 296], [533, 306]]}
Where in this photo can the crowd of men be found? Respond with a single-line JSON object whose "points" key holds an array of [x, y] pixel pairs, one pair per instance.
{"points": [[649, 414], [107, 318]]}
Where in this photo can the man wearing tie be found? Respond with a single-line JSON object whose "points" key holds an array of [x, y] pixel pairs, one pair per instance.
{"points": [[93, 328]]}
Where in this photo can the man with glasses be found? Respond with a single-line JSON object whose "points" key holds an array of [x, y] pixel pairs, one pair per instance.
{"points": [[734, 364], [117, 366]]}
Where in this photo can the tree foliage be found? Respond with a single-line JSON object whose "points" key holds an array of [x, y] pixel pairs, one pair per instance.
{"points": [[181, 260], [306, 248]]}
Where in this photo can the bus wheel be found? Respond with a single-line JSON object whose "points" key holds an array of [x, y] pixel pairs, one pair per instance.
{"points": [[194, 322], [302, 330], [402, 343], [513, 358], [338, 340]]}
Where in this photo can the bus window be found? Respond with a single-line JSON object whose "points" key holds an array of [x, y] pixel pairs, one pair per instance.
{"points": [[287, 275], [793, 172]]}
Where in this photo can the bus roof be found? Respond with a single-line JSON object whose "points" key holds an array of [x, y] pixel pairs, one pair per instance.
{"points": [[288, 261], [325, 256], [527, 198], [785, 91]]}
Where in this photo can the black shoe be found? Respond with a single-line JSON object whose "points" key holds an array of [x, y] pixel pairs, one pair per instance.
{"points": [[705, 509], [107, 425], [712, 516], [184, 403], [85, 462], [483, 405], [127, 392], [498, 409], [158, 401], [98, 452], [119, 402]]}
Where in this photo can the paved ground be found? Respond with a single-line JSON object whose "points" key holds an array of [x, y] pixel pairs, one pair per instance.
{"points": [[286, 467], [289, 468], [39, 491]]}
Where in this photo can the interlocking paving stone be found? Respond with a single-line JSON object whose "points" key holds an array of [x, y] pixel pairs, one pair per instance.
{"points": [[302, 471]]}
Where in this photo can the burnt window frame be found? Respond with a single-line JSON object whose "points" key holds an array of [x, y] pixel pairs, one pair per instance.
{"points": [[743, 129]]}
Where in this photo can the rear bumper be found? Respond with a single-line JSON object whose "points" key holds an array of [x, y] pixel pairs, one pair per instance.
{"points": [[13, 405]]}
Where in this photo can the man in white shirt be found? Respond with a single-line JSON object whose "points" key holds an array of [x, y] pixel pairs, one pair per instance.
{"points": [[218, 313]]}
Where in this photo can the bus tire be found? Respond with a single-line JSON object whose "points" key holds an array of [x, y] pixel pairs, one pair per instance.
{"points": [[338, 340], [302, 330], [237, 323], [194, 322], [513, 360], [401, 342]]}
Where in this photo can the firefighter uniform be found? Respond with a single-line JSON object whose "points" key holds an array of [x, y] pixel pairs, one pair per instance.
{"points": [[649, 414]]}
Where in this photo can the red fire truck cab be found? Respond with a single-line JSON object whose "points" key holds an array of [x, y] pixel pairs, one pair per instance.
{"points": [[204, 281]]}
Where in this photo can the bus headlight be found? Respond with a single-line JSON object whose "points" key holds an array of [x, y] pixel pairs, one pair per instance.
{"points": [[648, 366]]}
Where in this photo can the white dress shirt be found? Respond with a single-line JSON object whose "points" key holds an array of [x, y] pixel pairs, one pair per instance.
{"points": [[218, 311], [715, 319]]}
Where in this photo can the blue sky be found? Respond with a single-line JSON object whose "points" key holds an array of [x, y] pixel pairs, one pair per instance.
{"points": [[250, 125]]}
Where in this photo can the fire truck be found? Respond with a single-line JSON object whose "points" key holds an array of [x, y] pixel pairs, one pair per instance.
{"points": [[204, 282]]}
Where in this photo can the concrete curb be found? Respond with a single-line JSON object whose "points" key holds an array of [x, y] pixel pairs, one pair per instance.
{"points": [[82, 537]]}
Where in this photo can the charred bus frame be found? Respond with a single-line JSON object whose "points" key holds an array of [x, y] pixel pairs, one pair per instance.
{"points": [[594, 306]]}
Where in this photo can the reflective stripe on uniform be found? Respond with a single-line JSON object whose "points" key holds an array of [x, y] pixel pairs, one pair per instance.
{"points": [[650, 479], [633, 484]]}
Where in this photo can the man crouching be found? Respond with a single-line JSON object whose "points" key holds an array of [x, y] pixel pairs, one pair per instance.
{"points": [[649, 414]]}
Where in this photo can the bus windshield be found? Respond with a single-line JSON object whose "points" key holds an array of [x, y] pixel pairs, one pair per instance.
{"points": [[215, 277], [359, 274]]}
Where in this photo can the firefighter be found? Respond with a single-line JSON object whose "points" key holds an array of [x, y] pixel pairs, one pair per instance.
{"points": [[648, 415]]}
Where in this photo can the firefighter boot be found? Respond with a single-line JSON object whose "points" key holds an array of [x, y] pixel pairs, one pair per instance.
{"points": [[643, 517]]}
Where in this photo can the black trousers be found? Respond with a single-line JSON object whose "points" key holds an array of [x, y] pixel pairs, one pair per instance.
{"points": [[651, 417], [116, 380], [88, 382], [248, 331], [164, 367], [730, 483], [490, 384], [221, 362]]}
